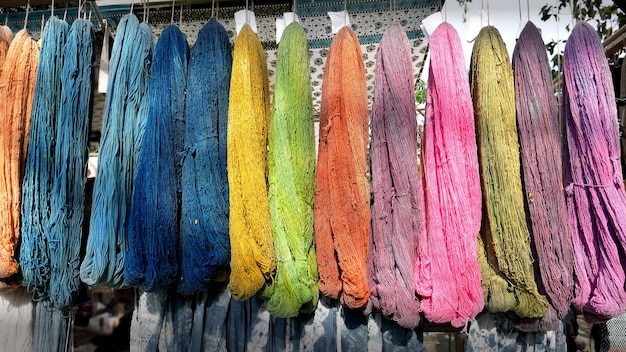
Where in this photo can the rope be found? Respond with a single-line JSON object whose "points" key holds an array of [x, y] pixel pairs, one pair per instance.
{"points": [[39, 169], [17, 88], [252, 252], [511, 285], [204, 239], [341, 204], [68, 192], [447, 272], [151, 260], [541, 156], [596, 220], [291, 176], [123, 126], [395, 222]]}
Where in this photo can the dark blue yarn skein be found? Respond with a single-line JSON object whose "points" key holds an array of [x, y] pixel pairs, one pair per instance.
{"points": [[204, 238], [151, 256]]}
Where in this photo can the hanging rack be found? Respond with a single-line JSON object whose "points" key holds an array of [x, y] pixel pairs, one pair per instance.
{"points": [[82, 7], [445, 10], [247, 17], [26, 16], [173, 8], [180, 20], [96, 11], [146, 10]]}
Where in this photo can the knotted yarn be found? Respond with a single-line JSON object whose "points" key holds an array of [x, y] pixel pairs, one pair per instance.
{"points": [[6, 36], [151, 260], [511, 285], [252, 252], [448, 278], [291, 176], [395, 183], [204, 240], [341, 203], [67, 201], [541, 156], [17, 89], [39, 168], [123, 124], [596, 200]]}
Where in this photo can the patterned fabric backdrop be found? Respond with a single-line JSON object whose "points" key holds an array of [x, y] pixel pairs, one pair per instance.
{"points": [[369, 18]]}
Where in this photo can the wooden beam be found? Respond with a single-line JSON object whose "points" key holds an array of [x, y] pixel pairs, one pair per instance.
{"points": [[615, 42]]}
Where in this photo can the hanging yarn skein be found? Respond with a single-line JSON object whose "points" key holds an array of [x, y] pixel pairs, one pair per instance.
{"points": [[448, 278], [596, 200], [67, 201], [509, 285], [291, 176], [204, 240], [341, 204], [17, 89], [541, 156], [39, 168], [395, 183], [252, 252], [151, 256], [123, 125], [6, 36]]}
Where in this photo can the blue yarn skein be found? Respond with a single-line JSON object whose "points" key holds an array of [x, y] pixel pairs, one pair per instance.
{"points": [[204, 238], [34, 269], [151, 256], [71, 152], [124, 119]]}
